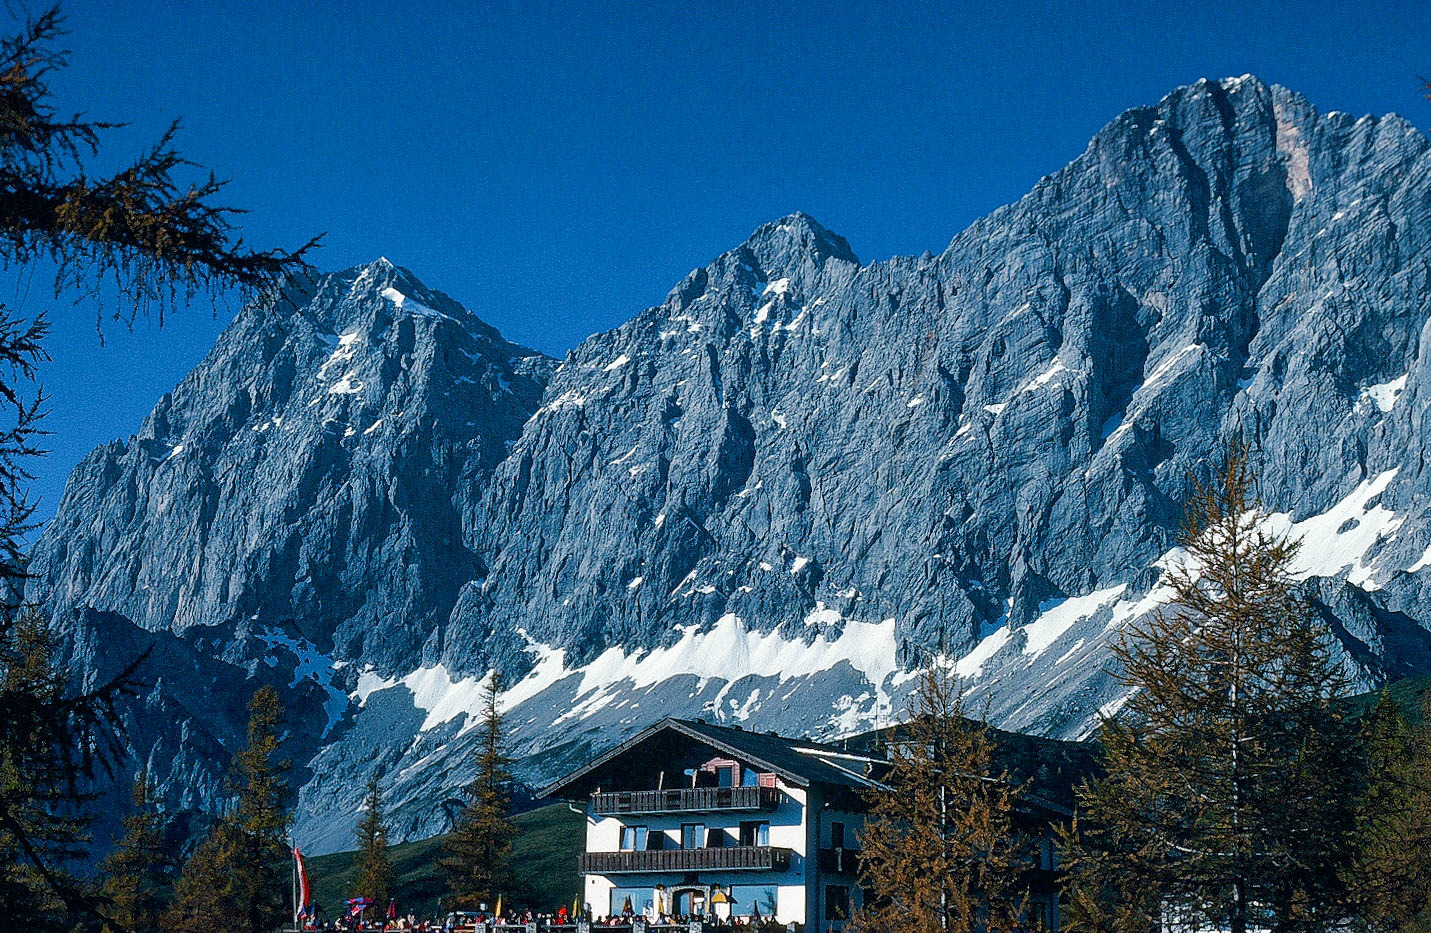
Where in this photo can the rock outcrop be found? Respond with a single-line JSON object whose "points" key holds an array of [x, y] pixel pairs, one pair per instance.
{"points": [[767, 498]]}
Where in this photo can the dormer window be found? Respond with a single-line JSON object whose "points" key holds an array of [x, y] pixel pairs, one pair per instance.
{"points": [[718, 772]]}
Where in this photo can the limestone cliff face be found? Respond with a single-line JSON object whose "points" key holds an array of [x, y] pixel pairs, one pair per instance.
{"points": [[765, 498]]}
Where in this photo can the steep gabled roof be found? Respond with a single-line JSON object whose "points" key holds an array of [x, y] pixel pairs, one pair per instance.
{"points": [[797, 761]]}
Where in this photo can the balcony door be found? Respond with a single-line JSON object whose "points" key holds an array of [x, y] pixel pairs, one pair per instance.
{"points": [[690, 901], [755, 833]]}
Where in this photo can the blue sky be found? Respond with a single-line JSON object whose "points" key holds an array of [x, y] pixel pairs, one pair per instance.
{"points": [[558, 167]]}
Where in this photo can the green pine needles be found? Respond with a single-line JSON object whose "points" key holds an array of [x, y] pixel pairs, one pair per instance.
{"points": [[1230, 772], [478, 851], [373, 876], [238, 877]]}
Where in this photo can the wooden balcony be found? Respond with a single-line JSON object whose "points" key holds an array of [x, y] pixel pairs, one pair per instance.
{"points": [[839, 861], [728, 858], [685, 800]]}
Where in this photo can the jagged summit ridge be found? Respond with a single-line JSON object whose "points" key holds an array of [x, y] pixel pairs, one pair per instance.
{"points": [[314, 424], [767, 498]]}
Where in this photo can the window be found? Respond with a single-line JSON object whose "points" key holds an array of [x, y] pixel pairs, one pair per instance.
{"points": [[633, 838], [690, 902], [636, 899], [1048, 855], [725, 776], [837, 902], [754, 833], [715, 838], [753, 900], [837, 835], [692, 835]]}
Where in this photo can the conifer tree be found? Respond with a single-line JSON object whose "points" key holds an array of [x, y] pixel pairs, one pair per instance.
{"points": [[1228, 772], [373, 872], [146, 234], [940, 854], [1390, 880], [50, 744], [134, 874], [201, 895], [1309, 799], [478, 850], [237, 878], [139, 229]]}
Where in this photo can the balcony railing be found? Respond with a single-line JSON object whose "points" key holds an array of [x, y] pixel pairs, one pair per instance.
{"points": [[839, 861], [728, 858], [685, 800]]}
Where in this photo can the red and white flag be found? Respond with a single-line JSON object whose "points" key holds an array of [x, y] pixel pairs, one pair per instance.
{"points": [[304, 897]]}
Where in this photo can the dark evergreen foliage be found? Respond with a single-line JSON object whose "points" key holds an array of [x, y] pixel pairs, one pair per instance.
{"points": [[374, 872], [136, 872], [939, 849], [140, 229], [237, 878], [52, 744], [1230, 771], [1390, 879], [478, 851]]}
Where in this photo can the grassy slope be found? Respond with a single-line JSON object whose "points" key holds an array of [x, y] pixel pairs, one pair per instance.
{"points": [[544, 859], [1406, 693]]}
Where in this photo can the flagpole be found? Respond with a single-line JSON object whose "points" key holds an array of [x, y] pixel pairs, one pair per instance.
{"points": [[293, 886]]}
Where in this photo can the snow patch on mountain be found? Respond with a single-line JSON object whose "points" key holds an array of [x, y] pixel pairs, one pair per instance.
{"points": [[972, 664], [1057, 616], [1343, 535], [726, 650], [444, 697], [1384, 395], [412, 306], [344, 349]]}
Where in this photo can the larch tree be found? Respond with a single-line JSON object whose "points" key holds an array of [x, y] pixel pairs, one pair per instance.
{"points": [[477, 853], [47, 754], [147, 236], [1228, 771], [1390, 880], [940, 853], [135, 873], [373, 873], [237, 878], [141, 229]]}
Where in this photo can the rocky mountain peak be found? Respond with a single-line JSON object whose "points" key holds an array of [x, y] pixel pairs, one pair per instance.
{"points": [[798, 235], [765, 499]]}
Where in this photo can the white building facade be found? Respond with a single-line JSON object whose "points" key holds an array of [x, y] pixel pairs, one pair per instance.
{"points": [[690, 819]]}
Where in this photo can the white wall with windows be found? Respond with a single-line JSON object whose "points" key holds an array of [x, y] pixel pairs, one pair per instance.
{"points": [[782, 893], [784, 826]]}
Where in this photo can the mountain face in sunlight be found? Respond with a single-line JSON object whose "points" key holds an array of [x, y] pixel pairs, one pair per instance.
{"points": [[768, 498]]}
